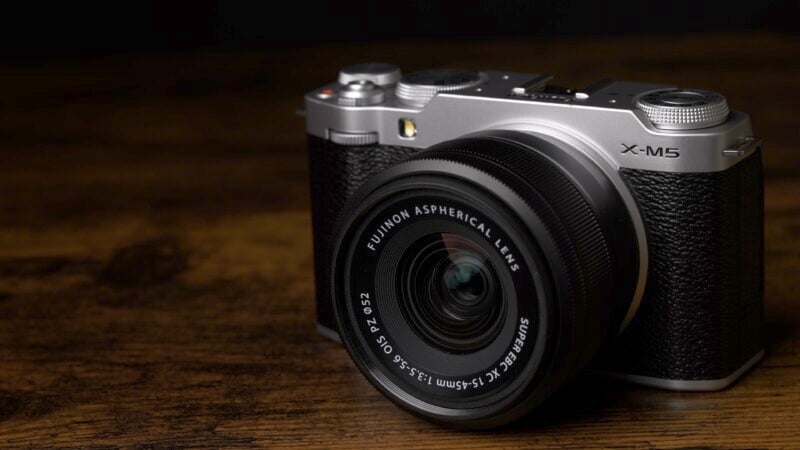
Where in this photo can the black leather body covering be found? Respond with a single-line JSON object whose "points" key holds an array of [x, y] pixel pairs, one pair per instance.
{"points": [[702, 312], [701, 315], [336, 172]]}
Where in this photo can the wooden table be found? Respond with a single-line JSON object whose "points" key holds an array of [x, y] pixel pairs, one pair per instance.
{"points": [[155, 253]]}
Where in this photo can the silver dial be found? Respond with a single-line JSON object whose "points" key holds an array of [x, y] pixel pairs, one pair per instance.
{"points": [[381, 74], [683, 109], [360, 93], [418, 88]]}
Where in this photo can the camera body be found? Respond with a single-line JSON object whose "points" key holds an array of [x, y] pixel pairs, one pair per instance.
{"points": [[684, 169]]}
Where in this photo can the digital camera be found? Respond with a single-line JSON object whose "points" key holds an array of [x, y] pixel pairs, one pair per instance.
{"points": [[483, 237]]}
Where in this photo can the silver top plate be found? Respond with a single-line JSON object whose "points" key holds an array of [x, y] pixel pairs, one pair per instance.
{"points": [[606, 119]]}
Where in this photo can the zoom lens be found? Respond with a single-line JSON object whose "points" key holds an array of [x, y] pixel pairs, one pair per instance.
{"points": [[475, 278], [450, 292]]}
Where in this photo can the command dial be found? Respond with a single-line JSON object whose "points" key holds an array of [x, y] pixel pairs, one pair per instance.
{"points": [[684, 109], [418, 88]]}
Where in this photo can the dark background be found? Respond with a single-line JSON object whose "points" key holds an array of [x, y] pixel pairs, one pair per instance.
{"points": [[37, 28]]}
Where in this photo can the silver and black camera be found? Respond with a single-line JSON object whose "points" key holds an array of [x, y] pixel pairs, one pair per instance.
{"points": [[483, 237]]}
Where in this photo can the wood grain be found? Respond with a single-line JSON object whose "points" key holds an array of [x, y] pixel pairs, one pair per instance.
{"points": [[155, 254]]}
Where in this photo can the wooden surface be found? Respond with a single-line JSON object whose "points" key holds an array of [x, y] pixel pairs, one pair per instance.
{"points": [[155, 254]]}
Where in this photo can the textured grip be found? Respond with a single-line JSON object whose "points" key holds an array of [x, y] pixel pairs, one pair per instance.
{"points": [[701, 316], [336, 172]]}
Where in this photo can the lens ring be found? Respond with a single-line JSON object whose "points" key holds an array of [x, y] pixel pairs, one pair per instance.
{"points": [[374, 274]]}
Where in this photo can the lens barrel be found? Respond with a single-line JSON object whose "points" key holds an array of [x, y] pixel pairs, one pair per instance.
{"points": [[473, 279]]}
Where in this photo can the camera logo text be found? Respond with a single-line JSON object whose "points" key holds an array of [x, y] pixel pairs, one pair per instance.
{"points": [[657, 152]]}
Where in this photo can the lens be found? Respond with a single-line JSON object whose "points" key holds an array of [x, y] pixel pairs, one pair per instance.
{"points": [[464, 284], [473, 280], [450, 292], [434, 302]]}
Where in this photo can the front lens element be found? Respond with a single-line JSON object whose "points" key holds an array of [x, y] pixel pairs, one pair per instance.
{"points": [[450, 292]]}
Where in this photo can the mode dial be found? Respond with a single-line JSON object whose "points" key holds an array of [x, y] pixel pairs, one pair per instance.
{"points": [[418, 88]]}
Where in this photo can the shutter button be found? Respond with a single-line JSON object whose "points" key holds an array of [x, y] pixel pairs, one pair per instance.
{"points": [[360, 93]]}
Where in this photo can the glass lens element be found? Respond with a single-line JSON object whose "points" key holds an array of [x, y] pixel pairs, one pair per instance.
{"points": [[450, 293]]}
